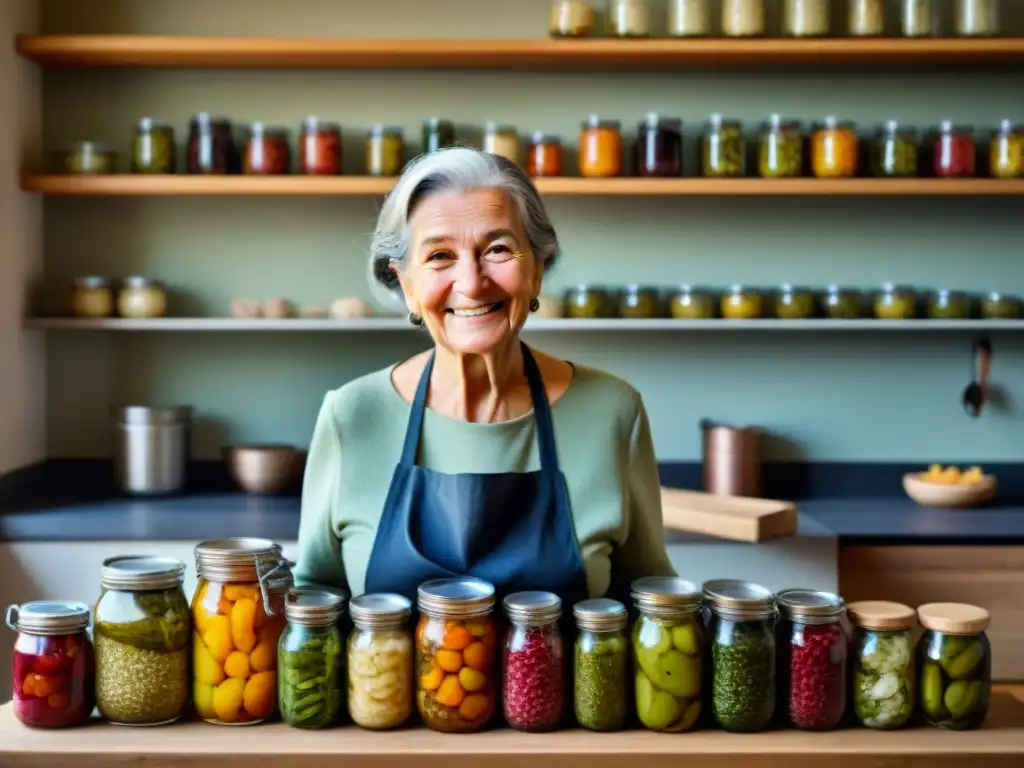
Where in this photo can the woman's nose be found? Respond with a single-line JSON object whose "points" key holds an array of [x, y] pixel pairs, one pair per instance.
{"points": [[470, 279]]}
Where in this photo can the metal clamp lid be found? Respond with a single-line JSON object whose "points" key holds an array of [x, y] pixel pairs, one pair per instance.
{"points": [[48, 617]]}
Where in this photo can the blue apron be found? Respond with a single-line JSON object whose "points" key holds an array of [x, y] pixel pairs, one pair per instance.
{"points": [[512, 529]]}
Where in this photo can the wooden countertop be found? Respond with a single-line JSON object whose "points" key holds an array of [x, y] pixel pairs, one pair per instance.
{"points": [[198, 745]]}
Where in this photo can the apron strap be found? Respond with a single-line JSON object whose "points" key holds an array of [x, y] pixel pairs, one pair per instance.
{"points": [[419, 406]]}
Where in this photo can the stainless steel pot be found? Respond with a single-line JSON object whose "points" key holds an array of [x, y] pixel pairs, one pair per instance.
{"points": [[151, 448]]}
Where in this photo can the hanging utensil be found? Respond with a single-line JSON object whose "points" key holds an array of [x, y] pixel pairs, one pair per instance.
{"points": [[976, 394]]}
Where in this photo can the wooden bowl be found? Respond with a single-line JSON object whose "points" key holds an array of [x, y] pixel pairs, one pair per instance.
{"points": [[264, 468], [951, 496]]}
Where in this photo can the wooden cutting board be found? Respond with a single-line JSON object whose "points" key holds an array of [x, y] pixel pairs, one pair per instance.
{"points": [[736, 518]]}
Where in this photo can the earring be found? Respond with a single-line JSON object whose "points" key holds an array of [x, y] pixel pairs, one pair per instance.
{"points": [[534, 304], [415, 319]]}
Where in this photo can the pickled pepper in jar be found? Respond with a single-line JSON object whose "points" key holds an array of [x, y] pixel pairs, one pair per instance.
{"points": [[1006, 151], [319, 148], [893, 152], [659, 147], [385, 151], [266, 151], [953, 151], [834, 149], [600, 148], [545, 156], [780, 149], [723, 149], [311, 659], [153, 147]]}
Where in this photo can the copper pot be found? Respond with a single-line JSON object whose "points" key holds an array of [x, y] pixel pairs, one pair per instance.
{"points": [[732, 459]]}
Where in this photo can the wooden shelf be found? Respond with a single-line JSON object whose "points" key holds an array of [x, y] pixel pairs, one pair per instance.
{"points": [[506, 54], [306, 186], [222, 324]]}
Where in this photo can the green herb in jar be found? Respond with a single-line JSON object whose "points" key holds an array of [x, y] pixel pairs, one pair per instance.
{"points": [[135, 686], [742, 688], [600, 682]]}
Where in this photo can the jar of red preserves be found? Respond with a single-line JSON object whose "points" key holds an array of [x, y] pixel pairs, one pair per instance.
{"points": [[812, 647], [266, 151], [659, 147], [954, 154], [545, 156], [211, 149], [319, 148], [54, 669], [533, 689]]}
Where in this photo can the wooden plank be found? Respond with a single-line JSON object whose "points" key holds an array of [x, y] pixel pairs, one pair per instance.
{"points": [[727, 517]]}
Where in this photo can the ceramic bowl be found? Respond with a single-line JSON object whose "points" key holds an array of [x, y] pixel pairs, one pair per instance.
{"points": [[949, 495]]}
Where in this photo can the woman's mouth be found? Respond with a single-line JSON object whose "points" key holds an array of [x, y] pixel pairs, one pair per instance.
{"points": [[486, 309]]}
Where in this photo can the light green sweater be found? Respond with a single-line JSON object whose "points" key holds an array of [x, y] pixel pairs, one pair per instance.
{"points": [[604, 451]]}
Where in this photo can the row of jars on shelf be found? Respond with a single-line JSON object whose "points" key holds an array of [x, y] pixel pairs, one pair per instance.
{"points": [[788, 302], [136, 297], [731, 654], [799, 18]]}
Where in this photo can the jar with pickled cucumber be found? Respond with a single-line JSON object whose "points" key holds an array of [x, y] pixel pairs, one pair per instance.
{"points": [[893, 152], [456, 644], [843, 303], [999, 306], [668, 650], [882, 662], [141, 631], [311, 659], [896, 302], [533, 683], [742, 303], [1006, 151], [237, 621], [742, 632], [601, 665], [743, 18], [954, 665], [637, 302], [806, 18], [153, 147], [792, 303], [834, 149], [588, 302], [945, 304], [690, 303], [780, 149], [385, 151], [380, 661], [723, 149]]}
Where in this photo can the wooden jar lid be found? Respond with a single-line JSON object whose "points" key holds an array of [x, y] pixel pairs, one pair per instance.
{"points": [[880, 615], [954, 618]]}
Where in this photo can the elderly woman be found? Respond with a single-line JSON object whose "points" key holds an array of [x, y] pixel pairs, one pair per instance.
{"points": [[480, 456]]}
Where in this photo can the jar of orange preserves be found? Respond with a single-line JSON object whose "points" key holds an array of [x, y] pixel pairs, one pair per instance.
{"points": [[834, 149], [600, 148], [238, 617], [545, 156], [456, 641]]}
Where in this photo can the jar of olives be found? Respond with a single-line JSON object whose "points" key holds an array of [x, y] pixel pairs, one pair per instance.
{"points": [[794, 303], [780, 149], [152, 147], [1006, 151], [587, 302], [742, 303], [895, 302], [893, 152], [945, 304], [882, 657], [954, 664], [843, 303], [722, 148], [601, 668], [689, 303], [636, 302], [999, 306]]}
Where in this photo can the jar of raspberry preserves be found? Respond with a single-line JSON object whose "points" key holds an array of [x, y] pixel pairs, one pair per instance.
{"points": [[953, 151], [54, 667], [812, 647], [533, 668]]}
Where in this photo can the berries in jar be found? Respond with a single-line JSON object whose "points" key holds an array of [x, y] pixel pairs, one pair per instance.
{"points": [[533, 682], [953, 151], [319, 148], [54, 667], [266, 151]]}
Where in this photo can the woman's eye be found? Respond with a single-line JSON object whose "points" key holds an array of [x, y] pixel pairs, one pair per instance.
{"points": [[499, 253], [437, 256]]}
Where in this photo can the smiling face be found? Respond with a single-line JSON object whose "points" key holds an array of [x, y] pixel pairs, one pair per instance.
{"points": [[470, 273]]}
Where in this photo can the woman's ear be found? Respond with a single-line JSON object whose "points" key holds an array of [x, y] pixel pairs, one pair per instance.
{"points": [[407, 289]]}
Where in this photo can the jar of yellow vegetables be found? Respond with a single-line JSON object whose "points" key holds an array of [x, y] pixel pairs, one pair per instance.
{"points": [[238, 617]]}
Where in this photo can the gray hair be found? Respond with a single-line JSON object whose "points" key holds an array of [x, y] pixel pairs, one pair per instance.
{"points": [[454, 170]]}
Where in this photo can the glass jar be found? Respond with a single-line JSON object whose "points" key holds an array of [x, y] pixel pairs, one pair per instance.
{"points": [[723, 150], [600, 148], [689, 303], [237, 620], [834, 146], [843, 303], [601, 670], [141, 297], [545, 156], [152, 147], [380, 661], [91, 296], [794, 303], [142, 630], [743, 18], [896, 302], [385, 151], [629, 18], [977, 18], [882, 663], [812, 645], [893, 152], [780, 149], [532, 682], [266, 151], [571, 18], [211, 148], [319, 148], [54, 672], [953, 151], [918, 18], [954, 664], [689, 18], [587, 302], [438, 133], [1006, 151], [88, 158], [503, 140], [742, 631], [456, 642], [668, 649], [999, 306], [805, 18], [310, 659], [866, 18], [742, 303], [659, 147], [637, 302], [945, 304]]}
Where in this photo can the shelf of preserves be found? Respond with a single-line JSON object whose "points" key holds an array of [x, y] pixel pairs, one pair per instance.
{"points": [[142, 185], [137, 51]]}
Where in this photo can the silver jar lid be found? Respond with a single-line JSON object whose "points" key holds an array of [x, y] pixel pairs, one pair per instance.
{"points": [[458, 597], [48, 617], [665, 595], [600, 614], [140, 572], [141, 281], [809, 606], [533, 607], [235, 559], [739, 599], [313, 607], [381, 610], [91, 282]]}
